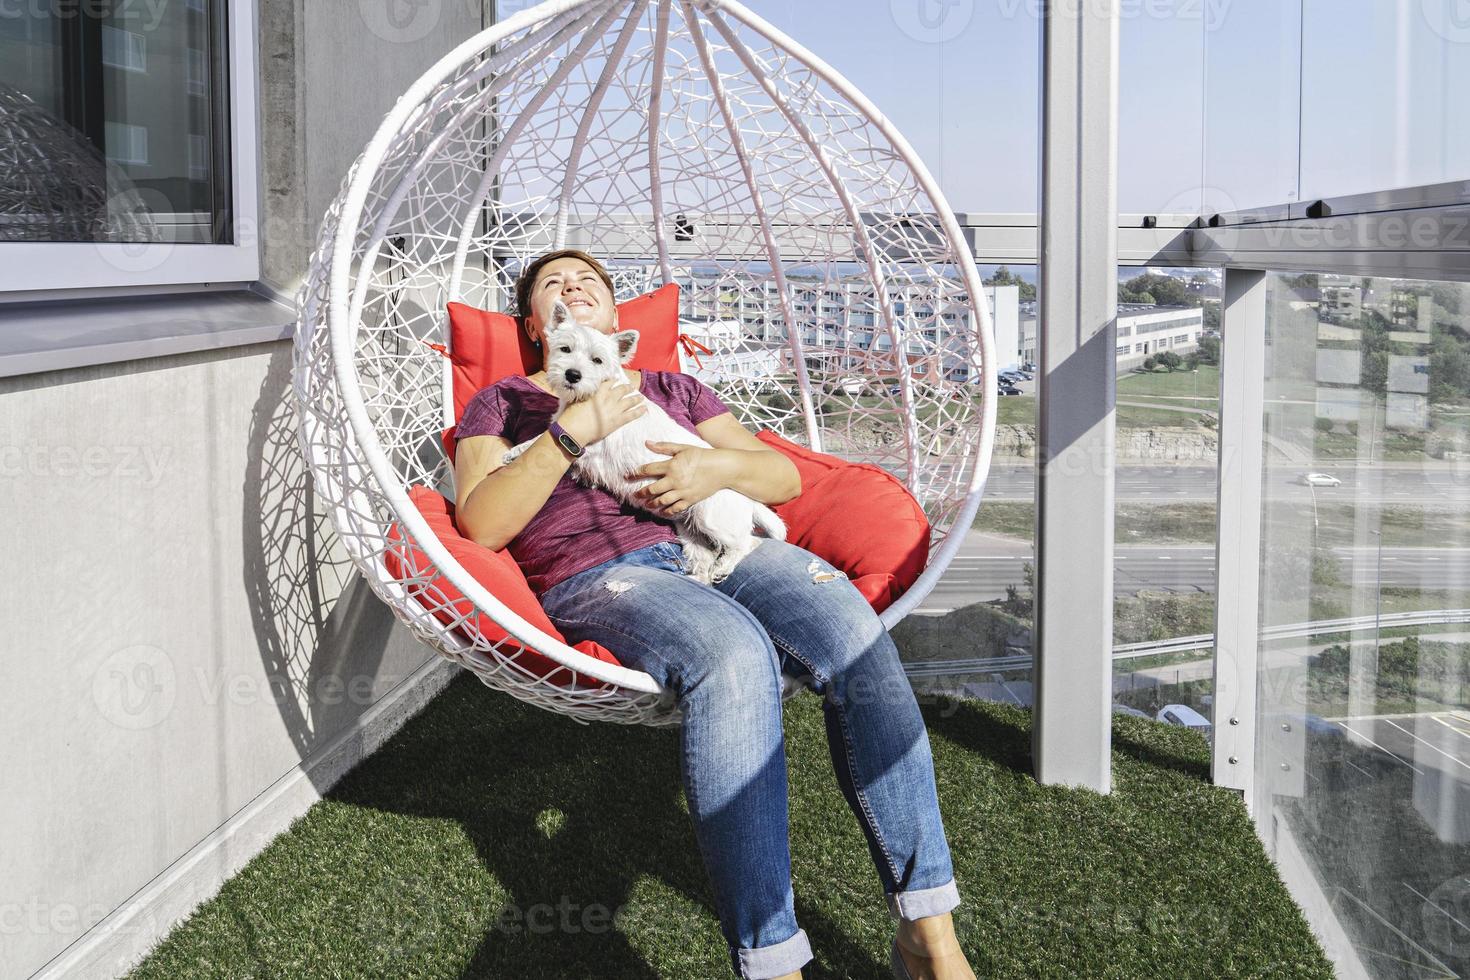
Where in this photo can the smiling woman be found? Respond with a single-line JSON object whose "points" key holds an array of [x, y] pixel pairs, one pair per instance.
{"points": [[553, 526], [616, 575]]}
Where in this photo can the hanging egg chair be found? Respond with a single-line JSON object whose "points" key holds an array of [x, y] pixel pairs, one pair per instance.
{"points": [[818, 268]]}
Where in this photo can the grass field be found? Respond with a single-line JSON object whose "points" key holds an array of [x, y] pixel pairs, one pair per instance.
{"points": [[1182, 523], [1403, 526], [1175, 387], [490, 839], [1021, 410]]}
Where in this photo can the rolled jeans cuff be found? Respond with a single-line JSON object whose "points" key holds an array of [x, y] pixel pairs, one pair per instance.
{"points": [[920, 902], [775, 960]]}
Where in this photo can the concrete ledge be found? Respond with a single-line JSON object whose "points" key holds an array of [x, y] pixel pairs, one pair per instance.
{"points": [[55, 335], [120, 940]]}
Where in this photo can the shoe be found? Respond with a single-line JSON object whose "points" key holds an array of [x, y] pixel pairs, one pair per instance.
{"points": [[900, 969]]}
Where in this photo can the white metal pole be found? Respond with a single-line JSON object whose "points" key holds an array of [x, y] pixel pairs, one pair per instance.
{"points": [[1073, 634]]}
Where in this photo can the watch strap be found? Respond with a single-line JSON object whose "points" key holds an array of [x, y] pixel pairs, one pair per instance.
{"points": [[566, 440]]}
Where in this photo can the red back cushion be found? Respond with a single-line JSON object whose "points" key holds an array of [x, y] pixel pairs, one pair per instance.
{"points": [[498, 573], [485, 347], [840, 507]]}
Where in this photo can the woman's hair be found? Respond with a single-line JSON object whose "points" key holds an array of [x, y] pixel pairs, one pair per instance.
{"points": [[527, 278]]}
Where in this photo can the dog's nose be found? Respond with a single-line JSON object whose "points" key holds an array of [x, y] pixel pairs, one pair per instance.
{"points": [[573, 376]]}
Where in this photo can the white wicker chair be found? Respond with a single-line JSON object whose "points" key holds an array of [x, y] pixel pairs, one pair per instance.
{"points": [[680, 141]]}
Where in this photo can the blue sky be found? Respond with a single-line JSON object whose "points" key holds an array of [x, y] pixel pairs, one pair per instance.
{"points": [[1211, 94]]}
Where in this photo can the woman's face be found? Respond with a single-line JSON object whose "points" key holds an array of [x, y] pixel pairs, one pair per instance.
{"points": [[577, 285]]}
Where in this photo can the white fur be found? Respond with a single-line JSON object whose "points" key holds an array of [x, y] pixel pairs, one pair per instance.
{"points": [[717, 531]]}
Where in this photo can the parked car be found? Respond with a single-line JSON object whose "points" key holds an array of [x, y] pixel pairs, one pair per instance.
{"points": [[1184, 716], [1006, 389], [1320, 480]]}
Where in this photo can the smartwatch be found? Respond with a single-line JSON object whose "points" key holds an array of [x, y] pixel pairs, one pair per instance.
{"points": [[564, 439]]}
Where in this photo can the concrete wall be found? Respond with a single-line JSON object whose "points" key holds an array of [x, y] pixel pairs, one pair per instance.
{"points": [[189, 657]]}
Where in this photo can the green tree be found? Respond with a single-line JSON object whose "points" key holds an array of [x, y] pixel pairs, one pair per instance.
{"points": [[1375, 371], [1149, 363], [1212, 317], [1170, 360], [1209, 350], [1154, 289], [1449, 369], [1004, 277]]}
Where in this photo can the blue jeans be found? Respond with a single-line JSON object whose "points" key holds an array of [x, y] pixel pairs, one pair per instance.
{"points": [[722, 651]]}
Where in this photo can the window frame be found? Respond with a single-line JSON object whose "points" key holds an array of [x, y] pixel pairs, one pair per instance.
{"points": [[79, 268]]}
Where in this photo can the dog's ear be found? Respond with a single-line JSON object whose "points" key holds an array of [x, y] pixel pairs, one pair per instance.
{"points": [[627, 341], [560, 315]]}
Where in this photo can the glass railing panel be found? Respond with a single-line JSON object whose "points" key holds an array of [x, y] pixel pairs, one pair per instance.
{"points": [[1363, 761]]}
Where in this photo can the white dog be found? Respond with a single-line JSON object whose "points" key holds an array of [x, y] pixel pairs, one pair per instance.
{"points": [[717, 531]]}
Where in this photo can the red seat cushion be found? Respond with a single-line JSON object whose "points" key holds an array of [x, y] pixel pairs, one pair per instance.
{"points": [[499, 574], [485, 346], [840, 505]]}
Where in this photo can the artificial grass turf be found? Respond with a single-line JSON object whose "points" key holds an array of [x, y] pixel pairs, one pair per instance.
{"points": [[482, 804]]}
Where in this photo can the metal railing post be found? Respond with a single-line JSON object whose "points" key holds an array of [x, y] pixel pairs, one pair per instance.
{"points": [[1238, 544], [1072, 727]]}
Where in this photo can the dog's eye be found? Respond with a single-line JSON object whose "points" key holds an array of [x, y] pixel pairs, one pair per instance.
{"points": [[597, 360], [565, 350]]}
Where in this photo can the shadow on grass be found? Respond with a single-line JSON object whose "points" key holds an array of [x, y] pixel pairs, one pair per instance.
{"points": [[1163, 746], [1002, 734], [999, 733], [556, 813], [569, 816]]}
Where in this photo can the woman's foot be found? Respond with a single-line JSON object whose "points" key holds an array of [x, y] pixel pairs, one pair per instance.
{"points": [[930, 949]]}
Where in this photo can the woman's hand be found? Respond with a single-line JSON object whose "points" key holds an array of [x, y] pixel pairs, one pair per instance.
{"points": [[690, 474], [613, 405]]}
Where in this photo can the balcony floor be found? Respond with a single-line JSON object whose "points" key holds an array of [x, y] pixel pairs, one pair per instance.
{"points": [[482, 802]]}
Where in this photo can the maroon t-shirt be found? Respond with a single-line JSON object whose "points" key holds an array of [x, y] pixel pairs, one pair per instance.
{"points": [[578, 526]]}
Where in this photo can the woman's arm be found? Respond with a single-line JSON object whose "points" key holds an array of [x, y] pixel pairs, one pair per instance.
{"points": [[746, 464], [496, 501]]}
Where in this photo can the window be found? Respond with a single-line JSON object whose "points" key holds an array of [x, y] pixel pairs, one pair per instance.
{"points": [[198, 158], [127, 143], [124, 49], [195, 73], [122, 133]]}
